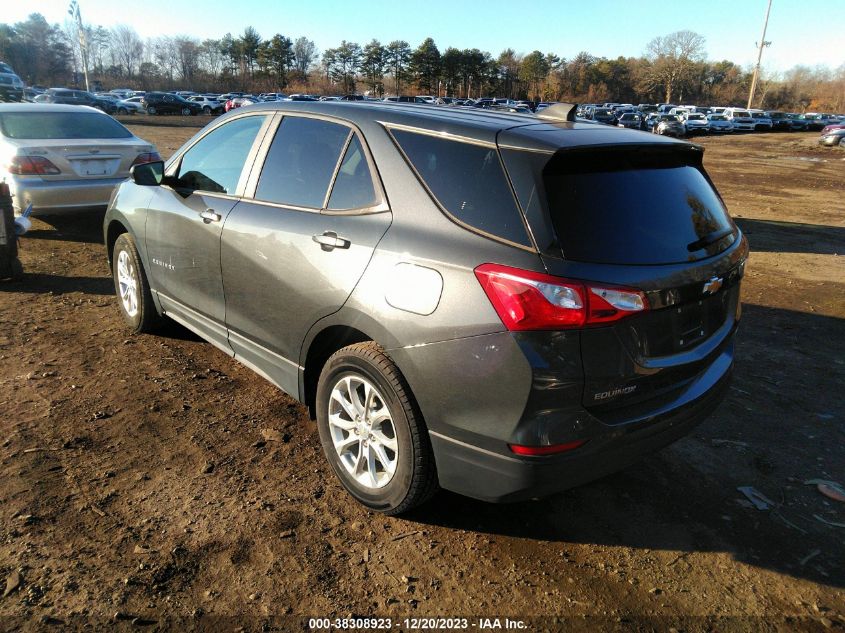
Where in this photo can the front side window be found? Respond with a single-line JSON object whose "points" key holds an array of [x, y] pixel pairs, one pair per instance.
{"points": [[467, 181], [301, 162], [214, 164]]}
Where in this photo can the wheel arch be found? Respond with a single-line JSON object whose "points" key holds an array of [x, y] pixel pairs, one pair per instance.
{"points": [[324, 343], [115, 229]]}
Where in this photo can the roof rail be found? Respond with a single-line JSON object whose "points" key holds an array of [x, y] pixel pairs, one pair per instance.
{"points": [[559, 112]]}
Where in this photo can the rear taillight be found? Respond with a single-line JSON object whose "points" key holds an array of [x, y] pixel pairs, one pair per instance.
{"points": [[32, 166], [146, 157], [526, 300], [552, 449]]}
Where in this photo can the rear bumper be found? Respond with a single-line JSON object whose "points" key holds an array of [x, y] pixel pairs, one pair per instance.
{"points": [[60, 196], [495, 477]]}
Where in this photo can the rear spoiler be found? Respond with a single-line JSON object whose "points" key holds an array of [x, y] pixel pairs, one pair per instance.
{"points": [[559, 112]]}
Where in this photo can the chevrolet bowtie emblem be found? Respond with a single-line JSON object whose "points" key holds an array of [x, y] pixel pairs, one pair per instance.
{"points": [[712, 286]]}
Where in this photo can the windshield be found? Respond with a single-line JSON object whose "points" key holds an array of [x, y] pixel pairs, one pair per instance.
{"points": [[740, 114], [717, 117], [60, 125], [696, 117]]}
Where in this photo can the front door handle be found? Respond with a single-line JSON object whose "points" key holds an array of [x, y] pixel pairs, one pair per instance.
{"points": [[329, 241], [210, 215]]}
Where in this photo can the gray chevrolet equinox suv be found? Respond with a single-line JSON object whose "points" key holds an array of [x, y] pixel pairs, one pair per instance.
{"points": [[501, 305]]}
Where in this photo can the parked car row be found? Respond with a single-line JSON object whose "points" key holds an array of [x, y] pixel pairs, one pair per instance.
{"points": [[703, 120]]}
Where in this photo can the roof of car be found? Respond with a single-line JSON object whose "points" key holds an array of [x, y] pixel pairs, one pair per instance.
{"points": [[524, 131], [46, 107]]}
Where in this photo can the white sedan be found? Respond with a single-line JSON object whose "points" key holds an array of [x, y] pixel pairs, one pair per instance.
{"points": [[718, 123], [131, 105], [65, 158], [696, 122]]}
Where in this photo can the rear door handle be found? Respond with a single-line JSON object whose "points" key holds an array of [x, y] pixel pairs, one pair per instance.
{"points": [[329, 241], [210, 215]]}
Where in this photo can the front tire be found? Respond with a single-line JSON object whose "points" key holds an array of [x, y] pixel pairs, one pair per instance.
{"points": [[151, 110], [372, 432], [186, 112], [206, 110], [133, 290]]}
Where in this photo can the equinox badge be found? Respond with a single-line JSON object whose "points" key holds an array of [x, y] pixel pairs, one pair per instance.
{"points": [[712, 286]]}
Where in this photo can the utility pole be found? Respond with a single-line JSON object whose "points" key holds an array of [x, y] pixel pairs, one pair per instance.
{"points": [[763, 43], [74, 11]]}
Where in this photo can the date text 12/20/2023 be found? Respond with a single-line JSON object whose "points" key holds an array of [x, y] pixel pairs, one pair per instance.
{"points": [[417, 624]]}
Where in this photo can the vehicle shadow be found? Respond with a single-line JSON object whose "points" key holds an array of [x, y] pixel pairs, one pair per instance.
{"points": [[84, 227], [41, 283], [170, 329], [782, 423], [792, 237]]}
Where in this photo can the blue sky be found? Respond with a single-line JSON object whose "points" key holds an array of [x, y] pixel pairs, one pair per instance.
{"points": [[798, 30]]}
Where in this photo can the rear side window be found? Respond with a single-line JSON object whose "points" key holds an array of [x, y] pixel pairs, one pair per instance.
{"points": [[301, 162], [60, 125], [468, 182], [629, 207], [353, 186]]}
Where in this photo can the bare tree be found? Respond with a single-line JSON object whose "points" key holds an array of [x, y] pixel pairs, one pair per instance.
{"points": [[127, 48], [673, 59], [188, 55], [211, 57]]}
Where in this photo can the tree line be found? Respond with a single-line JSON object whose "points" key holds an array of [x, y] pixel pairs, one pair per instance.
{"points": [[673, 68]]}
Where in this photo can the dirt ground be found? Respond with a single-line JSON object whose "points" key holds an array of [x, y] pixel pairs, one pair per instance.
{"points": [[152, 481]]}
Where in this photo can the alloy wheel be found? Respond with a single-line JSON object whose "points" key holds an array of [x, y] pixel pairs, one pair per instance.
{"points": [[127, 280], [362, 431]]}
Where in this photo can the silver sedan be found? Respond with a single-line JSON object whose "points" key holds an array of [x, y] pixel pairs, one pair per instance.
{"points": [[65, 158]]}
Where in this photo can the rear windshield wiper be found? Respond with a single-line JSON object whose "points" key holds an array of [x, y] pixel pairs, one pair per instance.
{"points": [[709, 239]]}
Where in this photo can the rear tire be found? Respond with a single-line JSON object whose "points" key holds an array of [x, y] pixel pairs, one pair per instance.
{"points": [[17, 270], [366, 413], [133, 290]]}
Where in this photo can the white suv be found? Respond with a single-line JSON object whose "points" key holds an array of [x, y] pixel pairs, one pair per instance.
{"points": [[740, 118]]}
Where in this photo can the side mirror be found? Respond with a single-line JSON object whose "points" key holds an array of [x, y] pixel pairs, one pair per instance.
{"points": [[148, 174]]}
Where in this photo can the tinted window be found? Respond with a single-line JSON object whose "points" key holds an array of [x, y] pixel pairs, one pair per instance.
{"points": [[215, 163], [353, 187], [634, 208], [468, 181], [301, 162], [58, 125]]}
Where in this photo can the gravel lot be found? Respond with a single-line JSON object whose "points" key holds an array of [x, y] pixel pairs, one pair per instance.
{"points": [[154, 480]]}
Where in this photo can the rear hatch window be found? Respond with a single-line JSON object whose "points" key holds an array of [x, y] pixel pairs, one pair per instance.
{"points": [[634, 206], [60, 125]]}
